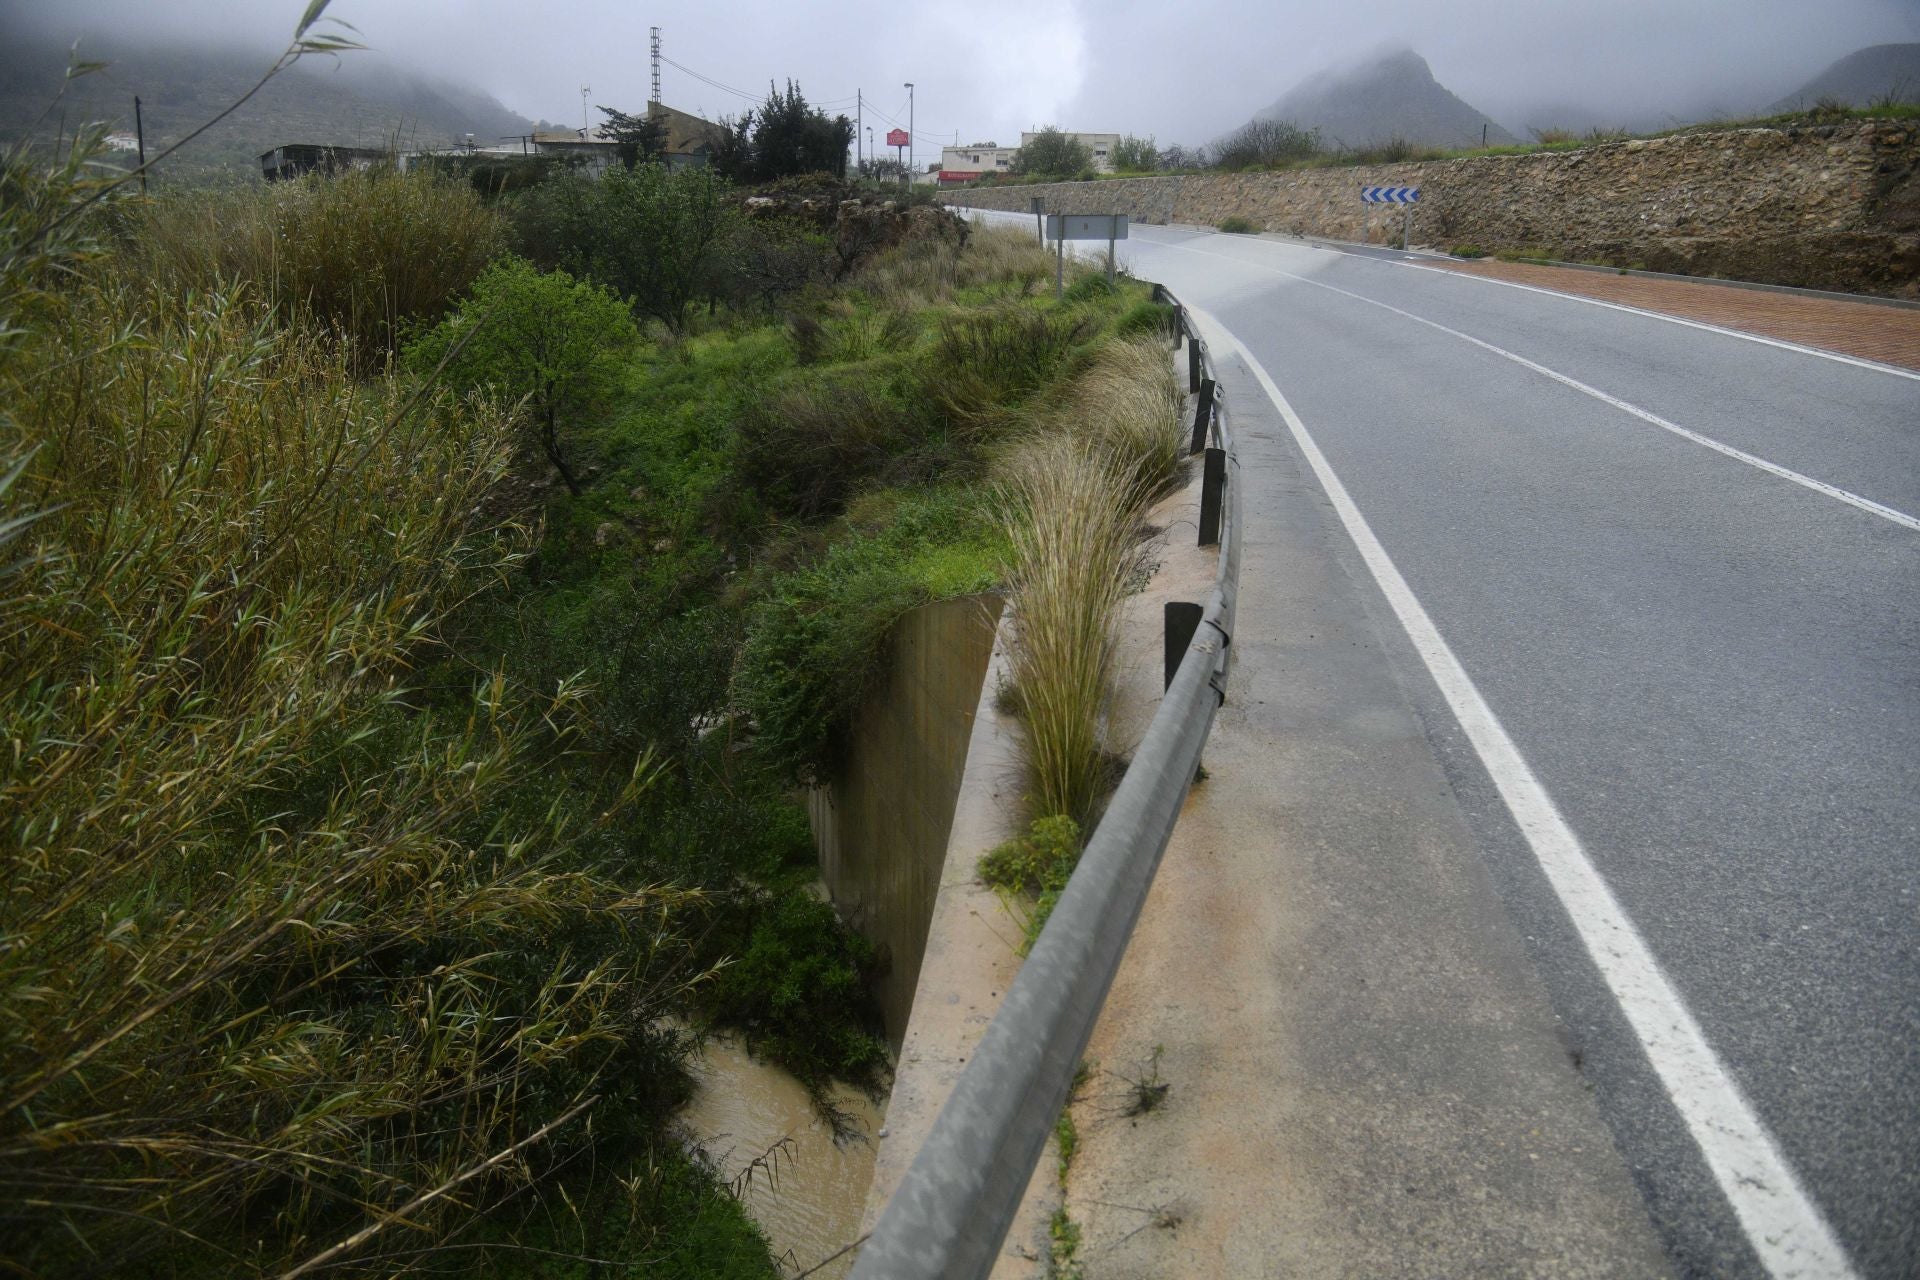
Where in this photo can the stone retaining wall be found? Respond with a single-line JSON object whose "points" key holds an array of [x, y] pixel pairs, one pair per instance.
{"points": [[1827, 207]]}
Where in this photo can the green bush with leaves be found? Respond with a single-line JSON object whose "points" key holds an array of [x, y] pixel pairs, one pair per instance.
{"points": [[819, 633], [1052, 152], [1135, 155], [1038, 863], [794, 987], [654, 235], [543, 338]]}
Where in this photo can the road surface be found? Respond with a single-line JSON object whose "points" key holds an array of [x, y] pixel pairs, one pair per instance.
{"points": [[1654, 591]]}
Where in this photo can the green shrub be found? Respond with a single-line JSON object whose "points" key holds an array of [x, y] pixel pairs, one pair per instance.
{"points": [[1146, 317], [1468, 251], [1007, 352], [1135, 155], [1238, 225], [795, 988], [810, 446], [1039, 863], [543, 338], [1052, 152], [818, 634]]}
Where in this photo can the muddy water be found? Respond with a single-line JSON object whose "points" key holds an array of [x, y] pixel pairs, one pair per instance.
{"points": [[811, 1207]]}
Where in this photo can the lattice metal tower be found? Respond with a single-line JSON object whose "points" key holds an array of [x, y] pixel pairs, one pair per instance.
{"points": [[654, 32]]}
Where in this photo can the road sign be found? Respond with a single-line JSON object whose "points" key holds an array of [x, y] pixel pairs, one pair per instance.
{"points": [[1086, 226], [897, 137], [1390, 195], [1062, 227]]}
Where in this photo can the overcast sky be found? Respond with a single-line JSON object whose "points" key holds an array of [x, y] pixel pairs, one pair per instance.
{"points": [[985, 69]]}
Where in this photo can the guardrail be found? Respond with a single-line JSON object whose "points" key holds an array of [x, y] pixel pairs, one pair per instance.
{"points": [[952, 1210]]}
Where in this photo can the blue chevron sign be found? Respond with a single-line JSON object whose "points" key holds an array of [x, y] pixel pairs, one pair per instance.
{"points": [[1390, 195]]}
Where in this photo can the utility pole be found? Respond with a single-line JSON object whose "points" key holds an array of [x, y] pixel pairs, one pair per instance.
{"points": [[910, 163], [859, 122], [654, 34], [140, 140]]}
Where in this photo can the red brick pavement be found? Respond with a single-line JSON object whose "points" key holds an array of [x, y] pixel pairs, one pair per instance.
{"points": [[1890, 335]]}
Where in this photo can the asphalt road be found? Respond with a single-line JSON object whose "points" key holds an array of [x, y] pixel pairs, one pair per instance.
{"points": [[1703, 652]]}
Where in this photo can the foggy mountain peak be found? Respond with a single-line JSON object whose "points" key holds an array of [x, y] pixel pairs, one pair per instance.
{"points": [[1389, 94], [1879, 71]]}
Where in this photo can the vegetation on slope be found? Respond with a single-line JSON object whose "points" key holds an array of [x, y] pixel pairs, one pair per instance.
{"points": [[378, 808]]}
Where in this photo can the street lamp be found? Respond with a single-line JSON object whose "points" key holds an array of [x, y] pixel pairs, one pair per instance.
{"points": [[909, 135]]}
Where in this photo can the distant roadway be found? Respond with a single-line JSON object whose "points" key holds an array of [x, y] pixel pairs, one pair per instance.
{"points": [[1655, 591]]}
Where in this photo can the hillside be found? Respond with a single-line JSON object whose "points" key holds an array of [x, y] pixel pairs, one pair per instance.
{"points": [[357, 99], [1860, 79], [1394, 96]]}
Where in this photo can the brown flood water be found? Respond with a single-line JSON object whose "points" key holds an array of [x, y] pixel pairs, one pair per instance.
{"points": [[812, 1206]]}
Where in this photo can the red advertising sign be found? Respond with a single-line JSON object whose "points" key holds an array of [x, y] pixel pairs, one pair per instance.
{"points": [[897, 137]]}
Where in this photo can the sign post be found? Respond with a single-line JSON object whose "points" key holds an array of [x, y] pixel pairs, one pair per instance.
{"points": [[1084, 226], [898, 140], [1408, 196], [1038, 207]]}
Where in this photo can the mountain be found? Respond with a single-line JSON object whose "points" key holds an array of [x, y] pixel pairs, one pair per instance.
{"points": [[1393, 96], [1861, 78], [355, 99]]}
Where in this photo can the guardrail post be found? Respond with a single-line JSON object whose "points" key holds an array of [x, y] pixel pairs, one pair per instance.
{"points": [[1179, 323], [1213, 482], [1202, 415], [1193, 364], [1182, 620]]}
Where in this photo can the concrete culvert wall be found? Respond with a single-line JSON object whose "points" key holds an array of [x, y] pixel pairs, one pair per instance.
{"points": [[882, 828], [1822, 207]]}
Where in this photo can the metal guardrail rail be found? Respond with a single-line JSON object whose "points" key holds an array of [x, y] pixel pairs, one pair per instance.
{"points": [[952, 1210]]}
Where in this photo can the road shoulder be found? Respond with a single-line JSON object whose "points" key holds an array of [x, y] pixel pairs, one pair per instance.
{"points": [[1362, 1074]]}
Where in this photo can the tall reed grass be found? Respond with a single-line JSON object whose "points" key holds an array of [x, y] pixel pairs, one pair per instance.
{"points": [[1071, 542], [291, 977], [1071, 498], [362, 254]]}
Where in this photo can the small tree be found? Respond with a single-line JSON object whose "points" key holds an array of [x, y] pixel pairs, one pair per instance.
{"points": [[543, 337], [641, 139], [649, 233], [1135, 155], [1051, 153], [784, 137]]}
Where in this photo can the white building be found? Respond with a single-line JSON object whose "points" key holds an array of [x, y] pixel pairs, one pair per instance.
{"points": [[976, 160]]}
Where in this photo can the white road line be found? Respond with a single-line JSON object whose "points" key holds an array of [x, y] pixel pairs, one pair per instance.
{"points": [[1867, 505], [1782, 343], [1785, 1227]]}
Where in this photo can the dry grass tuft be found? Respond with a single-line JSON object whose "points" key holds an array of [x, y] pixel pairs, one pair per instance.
{"points": [[928, 271], [1072, 537]]}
